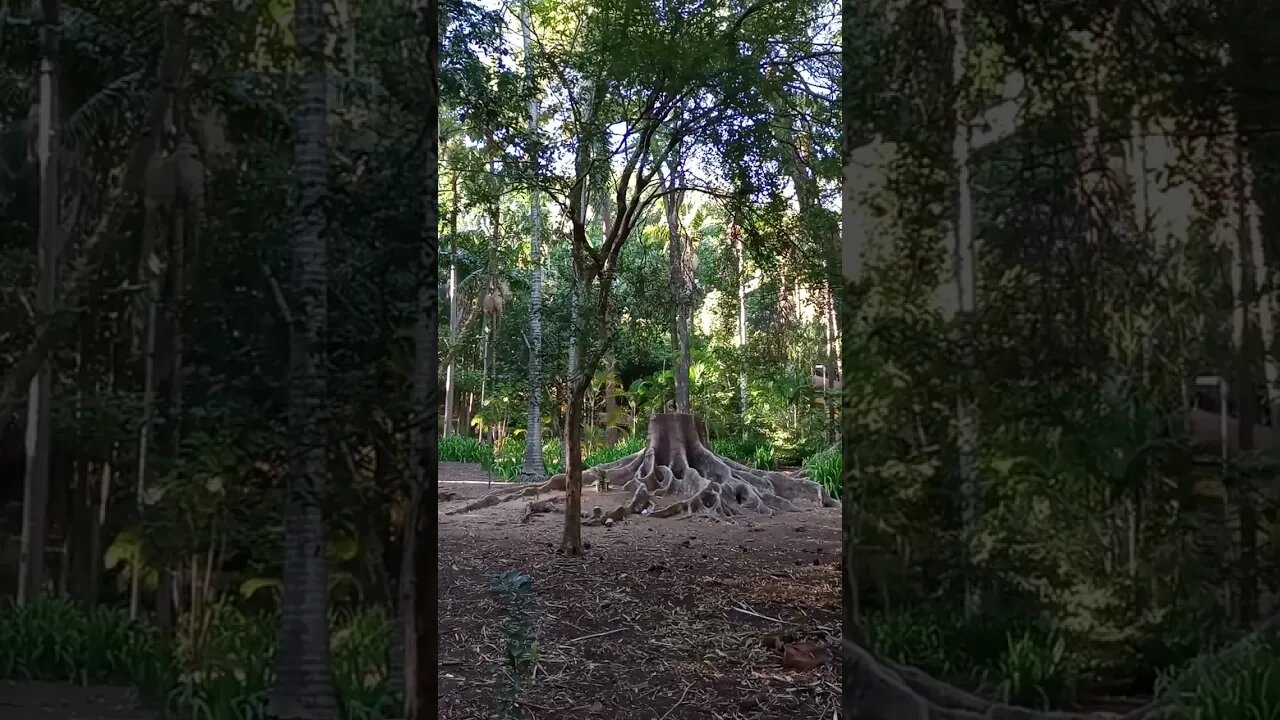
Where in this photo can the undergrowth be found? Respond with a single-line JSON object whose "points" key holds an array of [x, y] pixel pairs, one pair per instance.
{"points": [[506, 457], [220, 668]]}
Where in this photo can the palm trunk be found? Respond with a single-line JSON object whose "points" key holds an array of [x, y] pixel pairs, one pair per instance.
{"points": [[533, 468], [304, 687], [35, 500]]}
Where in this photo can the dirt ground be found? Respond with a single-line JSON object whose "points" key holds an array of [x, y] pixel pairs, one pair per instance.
{"points": [[56, 701], [661, 620]]}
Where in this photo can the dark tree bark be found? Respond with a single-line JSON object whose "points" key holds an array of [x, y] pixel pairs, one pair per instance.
{"points": [[304, 688]]}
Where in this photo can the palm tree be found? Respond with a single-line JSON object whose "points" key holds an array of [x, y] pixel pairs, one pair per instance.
{"points": [[533, 468], [304, 677]]}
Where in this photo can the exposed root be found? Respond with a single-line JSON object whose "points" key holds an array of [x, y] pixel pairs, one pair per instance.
{"points": [[511, 493], [677, 462], [551, 504], [883, 690]]}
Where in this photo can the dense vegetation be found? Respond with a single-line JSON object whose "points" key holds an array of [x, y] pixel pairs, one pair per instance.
{"points": [[1063, 217], [234, 344]]}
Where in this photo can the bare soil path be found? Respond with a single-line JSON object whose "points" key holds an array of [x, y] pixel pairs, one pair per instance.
{"points": [[661, 620]]}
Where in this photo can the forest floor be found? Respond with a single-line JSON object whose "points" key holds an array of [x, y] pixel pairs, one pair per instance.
{"points": [[660, 620], [58, 701]]}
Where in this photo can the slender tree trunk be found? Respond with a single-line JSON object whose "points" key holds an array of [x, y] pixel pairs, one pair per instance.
{"points": [[455, 312], [575, 320], [735, 239], [35, 501], [833, 361], [533, 467], [304, 687], [964, 276]]}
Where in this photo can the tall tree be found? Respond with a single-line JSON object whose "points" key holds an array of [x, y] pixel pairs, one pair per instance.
{"points": [[304, 687], [964, 273], [35, 499], [680, 279], [533, 468], [420, 669]]}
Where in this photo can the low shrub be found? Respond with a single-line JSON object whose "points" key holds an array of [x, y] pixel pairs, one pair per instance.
{"points": [[756, 453], [462, 449], [823, 468], [1243, 682], [605, 455]]}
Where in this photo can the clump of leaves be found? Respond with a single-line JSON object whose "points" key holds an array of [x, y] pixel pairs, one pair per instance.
{"points": [[601, 456], [913, 637], [219, 666], [1239, 682], [55, 639], [824, 467], [758, 453], [553, 456], [458, 448], [1034, 671], [508, 456]]}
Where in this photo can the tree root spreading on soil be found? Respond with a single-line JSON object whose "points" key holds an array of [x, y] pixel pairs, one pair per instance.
{"points": [[677, 462], [887, 691]]}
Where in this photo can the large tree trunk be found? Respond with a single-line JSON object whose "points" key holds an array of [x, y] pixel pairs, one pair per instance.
{"points": [[420, 668], [533, 467], [35, 500], [420, 533], [304, 687], [680, 290]]}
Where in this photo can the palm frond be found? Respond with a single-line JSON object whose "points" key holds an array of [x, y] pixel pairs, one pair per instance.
{"points": [[107, 108]]}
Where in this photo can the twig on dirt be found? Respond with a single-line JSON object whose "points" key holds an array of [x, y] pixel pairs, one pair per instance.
{"points": [[672, 709], [595, 635], [747, 611]]}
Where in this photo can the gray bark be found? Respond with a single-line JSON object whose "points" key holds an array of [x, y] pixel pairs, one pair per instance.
{"points": [[304, 687], [533, 468], [964, 276], [35, 497], [680, 290], [455, 311]]}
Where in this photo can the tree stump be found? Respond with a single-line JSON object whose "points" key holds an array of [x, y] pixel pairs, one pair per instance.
{"points": [[677, 462]]}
